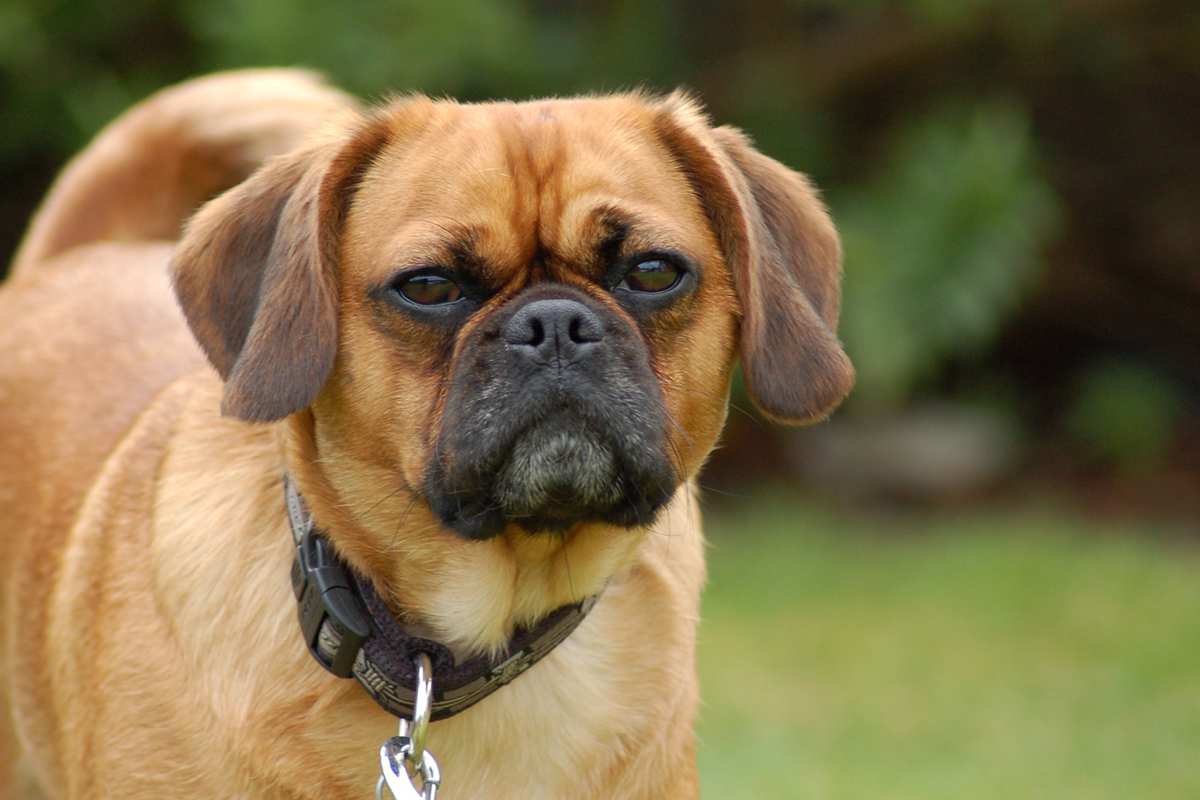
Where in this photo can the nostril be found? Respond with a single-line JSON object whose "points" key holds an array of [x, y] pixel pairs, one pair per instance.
{"points": [[538, 332], [585, 329]]}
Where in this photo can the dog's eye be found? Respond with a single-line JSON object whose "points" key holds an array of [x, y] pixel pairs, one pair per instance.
{"points": [[652, 275], [429, 289]]}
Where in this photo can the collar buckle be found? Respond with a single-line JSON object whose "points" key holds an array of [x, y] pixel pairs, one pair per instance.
{"points": [[351, 633], [334, 622]]}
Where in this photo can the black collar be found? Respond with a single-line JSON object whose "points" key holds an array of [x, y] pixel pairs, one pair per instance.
{"points": [[350, 632]]}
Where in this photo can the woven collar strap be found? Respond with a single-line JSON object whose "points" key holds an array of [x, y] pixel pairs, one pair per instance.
{"points": [[351, 633]]}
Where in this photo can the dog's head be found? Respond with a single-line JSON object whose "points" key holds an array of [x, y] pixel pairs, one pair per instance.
{"points": [[525, 314]]}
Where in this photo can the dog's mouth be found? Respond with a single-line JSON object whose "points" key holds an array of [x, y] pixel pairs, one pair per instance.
{"points": [[557, 473]]}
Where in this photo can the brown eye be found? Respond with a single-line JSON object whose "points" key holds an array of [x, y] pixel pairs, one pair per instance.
{"points": [[653, 275], [429, 289]]}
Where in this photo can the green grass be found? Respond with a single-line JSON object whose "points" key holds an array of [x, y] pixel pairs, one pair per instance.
{"points": [[1021, 655]]}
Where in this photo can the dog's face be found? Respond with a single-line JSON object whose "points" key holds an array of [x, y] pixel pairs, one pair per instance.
{"points": [[526, 314], [558, 323]]}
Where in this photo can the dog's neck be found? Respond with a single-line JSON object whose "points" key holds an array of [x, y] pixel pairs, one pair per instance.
{"points": [[351, 632], [469, 595]]}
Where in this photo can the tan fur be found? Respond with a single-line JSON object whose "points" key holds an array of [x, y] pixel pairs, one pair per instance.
{"points": [[150, 644]]}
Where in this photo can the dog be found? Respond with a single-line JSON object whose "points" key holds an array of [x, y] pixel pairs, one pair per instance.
{"points": [[487, 346]]}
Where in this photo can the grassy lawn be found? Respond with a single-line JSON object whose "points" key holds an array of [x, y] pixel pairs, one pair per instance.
{"points": [[1025, 655]]}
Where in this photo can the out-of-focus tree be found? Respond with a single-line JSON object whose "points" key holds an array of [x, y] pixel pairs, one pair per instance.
{"points": [[941, 247], [1015, 181]]}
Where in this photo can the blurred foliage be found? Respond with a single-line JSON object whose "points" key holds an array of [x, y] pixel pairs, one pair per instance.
{"points": [[964, 146], [939, 243], [1124, 414], [941, 246], [376, 45]]}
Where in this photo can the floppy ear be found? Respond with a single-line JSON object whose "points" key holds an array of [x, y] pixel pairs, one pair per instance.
{"points": [[786, 261], [256, 275]]}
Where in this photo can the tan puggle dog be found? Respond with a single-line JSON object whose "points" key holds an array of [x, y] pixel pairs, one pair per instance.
{"points": [[491, 345]]}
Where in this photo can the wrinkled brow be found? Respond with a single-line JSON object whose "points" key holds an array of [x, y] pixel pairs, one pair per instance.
{"points": [[614, 227], [620, 233], [456, 246], [461, 245]]}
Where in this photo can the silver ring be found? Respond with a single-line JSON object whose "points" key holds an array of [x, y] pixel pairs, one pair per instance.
{"points": [[422, 707]]}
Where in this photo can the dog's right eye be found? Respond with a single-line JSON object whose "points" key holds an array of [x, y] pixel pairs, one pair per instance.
{"points": [[428, 289]]}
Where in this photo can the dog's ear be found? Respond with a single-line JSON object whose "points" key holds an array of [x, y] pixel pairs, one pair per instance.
{"points": [[786, 261], [256, 274]]}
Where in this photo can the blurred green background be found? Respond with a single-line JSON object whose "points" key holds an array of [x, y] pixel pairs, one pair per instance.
{"points": [[979, 579]]}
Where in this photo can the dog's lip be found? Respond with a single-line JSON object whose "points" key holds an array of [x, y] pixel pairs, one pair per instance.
{"points": [[558, 470], [616, 470]]}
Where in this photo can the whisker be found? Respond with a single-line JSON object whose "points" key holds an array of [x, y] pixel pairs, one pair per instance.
{"points": [[723, 492], [747, 414], [400, 520], [380, 501], [567, 564]]}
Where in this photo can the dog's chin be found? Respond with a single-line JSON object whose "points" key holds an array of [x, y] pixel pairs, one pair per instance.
{"points": [[556, 475]]}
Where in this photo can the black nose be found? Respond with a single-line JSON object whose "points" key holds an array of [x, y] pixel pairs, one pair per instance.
{"points": [[554, 331]]}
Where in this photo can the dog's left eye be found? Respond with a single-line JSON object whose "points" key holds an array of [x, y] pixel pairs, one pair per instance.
{"points": [[652, 275], [428, 289]]}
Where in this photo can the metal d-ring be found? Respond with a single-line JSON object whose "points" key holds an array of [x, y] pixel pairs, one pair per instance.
{"points": [[418, 729], [403, 757]]}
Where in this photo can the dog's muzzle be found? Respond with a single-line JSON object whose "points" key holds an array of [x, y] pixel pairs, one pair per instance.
{"points": [[554, 417]]}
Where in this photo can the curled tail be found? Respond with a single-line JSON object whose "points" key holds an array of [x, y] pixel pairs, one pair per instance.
{"points": [[145, 173]]}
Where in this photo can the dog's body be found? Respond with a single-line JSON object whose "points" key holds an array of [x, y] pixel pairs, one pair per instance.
{"points": [[150, 640]]}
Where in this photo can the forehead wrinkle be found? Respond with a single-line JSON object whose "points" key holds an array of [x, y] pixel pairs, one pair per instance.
{"points": [[643, 224], [539, 147], [543, 142], [608, 167], [551, 187], [515, 209]]}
